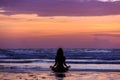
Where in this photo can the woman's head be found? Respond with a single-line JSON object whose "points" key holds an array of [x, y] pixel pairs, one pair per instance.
{"points": [[60, 52]]}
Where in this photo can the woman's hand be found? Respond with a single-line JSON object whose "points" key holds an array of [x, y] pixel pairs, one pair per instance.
{"points": [[68, 66], [51, 66]]}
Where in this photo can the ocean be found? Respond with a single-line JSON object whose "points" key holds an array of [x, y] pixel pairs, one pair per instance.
{"points": [[78, 59]]}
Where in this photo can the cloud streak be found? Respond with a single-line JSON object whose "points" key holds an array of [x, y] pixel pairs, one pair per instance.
{"points": [[111, 35], [60, 7]]}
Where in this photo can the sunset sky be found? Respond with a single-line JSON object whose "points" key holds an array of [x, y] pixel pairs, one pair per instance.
{"points": [[59, 23]]}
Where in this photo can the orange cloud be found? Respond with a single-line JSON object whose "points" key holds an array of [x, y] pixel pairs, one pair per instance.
{"points": [[28, 26]]}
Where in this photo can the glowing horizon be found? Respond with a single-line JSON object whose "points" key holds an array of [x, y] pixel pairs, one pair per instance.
{"points": [[22, 28]]}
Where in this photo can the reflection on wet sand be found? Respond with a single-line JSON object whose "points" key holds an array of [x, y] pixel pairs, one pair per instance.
{"points": [[71, 75], [60, 76]]}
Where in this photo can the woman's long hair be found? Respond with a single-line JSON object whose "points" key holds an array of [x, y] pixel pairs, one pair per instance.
{"points": [[60, 52]]}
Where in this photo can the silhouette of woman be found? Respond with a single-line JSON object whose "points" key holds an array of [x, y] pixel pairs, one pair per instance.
{"points": [[60, 64]]}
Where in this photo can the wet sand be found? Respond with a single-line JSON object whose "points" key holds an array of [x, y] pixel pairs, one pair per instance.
{"points": [[49, 75]]}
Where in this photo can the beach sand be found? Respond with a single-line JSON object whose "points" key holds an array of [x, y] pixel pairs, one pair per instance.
{"points": [[49, 75]]}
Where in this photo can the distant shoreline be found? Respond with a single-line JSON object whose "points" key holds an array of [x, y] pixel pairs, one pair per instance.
{"points": [[67, 62]]}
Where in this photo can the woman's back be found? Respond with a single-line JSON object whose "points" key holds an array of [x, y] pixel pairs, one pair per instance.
{"points": [[60, 60]]}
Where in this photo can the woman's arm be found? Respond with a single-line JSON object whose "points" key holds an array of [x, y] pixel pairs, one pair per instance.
{"points": [[55, 62], [65, 63]]}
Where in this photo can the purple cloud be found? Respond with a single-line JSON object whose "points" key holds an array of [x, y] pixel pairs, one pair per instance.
{"points": [[61, 7], [111, 35], [105, 43], [102, 43]]}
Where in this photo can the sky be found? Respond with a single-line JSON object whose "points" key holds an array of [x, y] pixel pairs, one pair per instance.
{"points": [[59, 23]]}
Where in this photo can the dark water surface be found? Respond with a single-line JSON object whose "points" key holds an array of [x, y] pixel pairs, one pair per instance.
{"points": [[79, 59]]}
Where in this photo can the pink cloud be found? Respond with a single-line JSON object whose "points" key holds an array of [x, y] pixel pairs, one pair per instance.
{"points": [[60, 7]]}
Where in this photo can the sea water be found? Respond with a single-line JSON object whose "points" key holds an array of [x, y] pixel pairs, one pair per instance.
{"points": [[78, 59]]}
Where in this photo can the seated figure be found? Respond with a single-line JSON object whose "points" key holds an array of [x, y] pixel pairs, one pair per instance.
{"points": [[60, 64]]}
